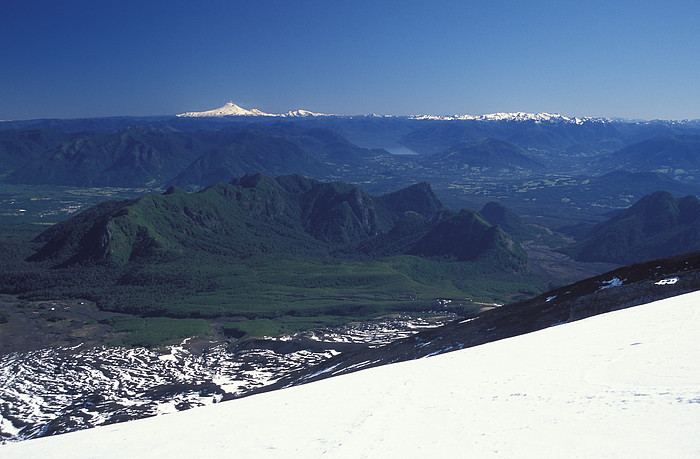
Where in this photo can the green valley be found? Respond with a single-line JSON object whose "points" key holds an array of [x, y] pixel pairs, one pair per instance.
{"points": [[292, 249]]}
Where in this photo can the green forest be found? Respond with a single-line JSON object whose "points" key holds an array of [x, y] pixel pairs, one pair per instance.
{"points": [[258, 273]]}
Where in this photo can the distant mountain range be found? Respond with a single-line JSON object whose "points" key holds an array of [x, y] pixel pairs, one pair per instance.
{"points": [[143, 155], [553, 171], [232, 109]]}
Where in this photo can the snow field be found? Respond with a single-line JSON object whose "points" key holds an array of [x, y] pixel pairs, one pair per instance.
{"points": [[622, 384]]}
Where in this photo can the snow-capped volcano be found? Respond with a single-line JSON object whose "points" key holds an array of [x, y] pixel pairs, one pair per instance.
{"points": [[231, 109]]}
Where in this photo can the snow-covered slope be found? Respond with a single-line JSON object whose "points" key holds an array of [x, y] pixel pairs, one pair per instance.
{"points": [[622, 384]]}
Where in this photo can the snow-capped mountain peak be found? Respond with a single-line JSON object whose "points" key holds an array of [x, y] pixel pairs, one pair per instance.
{"points": [[302, 113], [231, 109]]}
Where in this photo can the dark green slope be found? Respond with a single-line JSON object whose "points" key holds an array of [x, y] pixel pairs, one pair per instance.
{"points": [[398, 240], [467, 236], [497, 214], [235, 220], [338, 213], [81, 237], [655, 226], [419, 198], [256, 214]]}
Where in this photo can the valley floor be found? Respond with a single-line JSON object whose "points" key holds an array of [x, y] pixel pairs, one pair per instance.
{"points": [[621, 384]]}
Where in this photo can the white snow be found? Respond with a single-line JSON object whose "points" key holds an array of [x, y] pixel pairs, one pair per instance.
{"points": [[302, 113], [231, 109], [614, 282], [622, 384], [669, 281], [516, 116]]}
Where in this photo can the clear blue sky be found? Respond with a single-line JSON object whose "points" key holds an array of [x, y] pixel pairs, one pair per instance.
{"points": [[72, 58]]}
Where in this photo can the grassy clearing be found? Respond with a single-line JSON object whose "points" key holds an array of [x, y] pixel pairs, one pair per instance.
{"points": [[267, 287], [152, 331]]}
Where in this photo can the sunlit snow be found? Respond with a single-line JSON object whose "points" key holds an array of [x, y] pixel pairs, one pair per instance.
{"points": [[231, 109], [622, 384]]}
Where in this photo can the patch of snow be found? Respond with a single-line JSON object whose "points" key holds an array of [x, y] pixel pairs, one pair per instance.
{"points": [[7, 427], [614, 282], [325, 370], [72, 388], [669, 281], [577, 390]]}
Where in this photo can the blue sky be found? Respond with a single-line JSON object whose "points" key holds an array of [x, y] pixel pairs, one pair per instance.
{"points": [[68, 59]]}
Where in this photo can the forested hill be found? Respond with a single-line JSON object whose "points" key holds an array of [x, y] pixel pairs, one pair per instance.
{"points": [[256, 214], [657, 225]]}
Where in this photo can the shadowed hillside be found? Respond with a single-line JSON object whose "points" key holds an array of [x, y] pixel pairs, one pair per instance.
{"points": [[658, 224]]}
